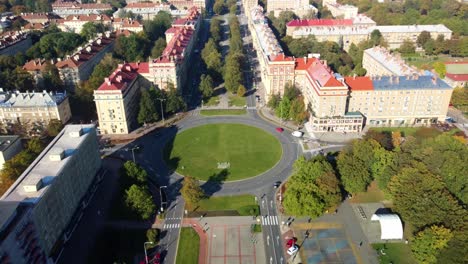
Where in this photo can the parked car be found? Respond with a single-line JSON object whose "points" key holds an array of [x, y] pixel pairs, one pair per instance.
{"points": [[292, 250], [280, 129], [297, 133], [277, 184], [290, 242]]}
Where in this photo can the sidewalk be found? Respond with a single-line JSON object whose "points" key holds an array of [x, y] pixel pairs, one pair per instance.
{"points": [[266, 114]]}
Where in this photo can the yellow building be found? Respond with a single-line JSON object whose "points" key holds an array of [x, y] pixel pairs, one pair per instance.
{"points": [[299, 7], [117, 99], [399, 100], [378, 61]]}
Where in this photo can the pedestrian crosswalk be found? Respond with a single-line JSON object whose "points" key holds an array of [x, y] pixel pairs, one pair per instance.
{"points": [[171, 226], [173, 218], [270, 220]]}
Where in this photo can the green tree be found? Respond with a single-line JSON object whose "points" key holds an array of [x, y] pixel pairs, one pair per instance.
{"points": [[156, 27], [312, 189], [375, 37], [215, 29], [274, 101], [158, 48], [55, 45], [421, 198], [54, 127], [132, 48], [440, 68], [51, 78], [139, 200], [35, 146], [91, 29], [407, 47], [241, 90], [147, 112], [280, 22], [206, 86], [219, 7], [174, 100], [152, 235], [423, 37], [298, 111], [134, 173], [427, 243], [191, 191], [282, 111]]}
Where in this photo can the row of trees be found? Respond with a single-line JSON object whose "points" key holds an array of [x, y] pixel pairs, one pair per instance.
{"points": [[22, 6], [233, 76], [220, 6], [290, 106], [137, 197], [14, 167], [191, 191], [150, 103]]}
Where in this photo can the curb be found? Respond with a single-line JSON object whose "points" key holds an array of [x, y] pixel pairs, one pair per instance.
{"points": [[259, 112]]}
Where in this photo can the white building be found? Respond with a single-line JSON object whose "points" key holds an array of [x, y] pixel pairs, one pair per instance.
{"points": [[378, 61], [9, 147]]}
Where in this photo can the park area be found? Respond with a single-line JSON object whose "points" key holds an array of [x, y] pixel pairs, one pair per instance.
{"points": [[223, 152], [221, 112], [189, 246], [240, 205]]}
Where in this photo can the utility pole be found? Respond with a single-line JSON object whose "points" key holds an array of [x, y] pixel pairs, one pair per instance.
{"points": [[162, 110]]}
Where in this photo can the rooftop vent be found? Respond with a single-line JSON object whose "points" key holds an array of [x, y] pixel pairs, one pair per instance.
{"points": [[76, 133], [56, 154], [32, 184]]}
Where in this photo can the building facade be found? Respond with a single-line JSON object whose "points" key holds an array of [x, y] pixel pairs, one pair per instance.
{"points": [[300, 7], [378, 61], [359, 28], [117, 99], [65, 8], [147, 10], [457, 73], [79, 66], [33, 107], [399, 100], [340, 11], [13, 43], [39, 208], [74, 23], [9, 147]]}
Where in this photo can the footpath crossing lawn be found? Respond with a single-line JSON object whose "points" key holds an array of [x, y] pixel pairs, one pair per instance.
{"points": [[189, 246], [223, 152], [394, 253]]}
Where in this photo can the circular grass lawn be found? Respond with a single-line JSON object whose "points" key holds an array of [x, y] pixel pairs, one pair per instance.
{"points": [[204, 152]]}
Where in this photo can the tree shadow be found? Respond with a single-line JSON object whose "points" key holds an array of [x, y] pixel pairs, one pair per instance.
{"points": [[215, 182], [219, 91]]}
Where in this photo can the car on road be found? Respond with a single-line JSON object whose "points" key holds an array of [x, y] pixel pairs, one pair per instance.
{"points": [[290, 242], [280, 129], [292, 250], [277, 184], [297, 133]]}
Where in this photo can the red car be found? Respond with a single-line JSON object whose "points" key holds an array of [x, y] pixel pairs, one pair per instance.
{"points": [[280, 129], [290, 243]]}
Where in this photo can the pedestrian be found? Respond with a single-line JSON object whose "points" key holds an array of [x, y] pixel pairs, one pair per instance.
{"points": [[360, 244]]}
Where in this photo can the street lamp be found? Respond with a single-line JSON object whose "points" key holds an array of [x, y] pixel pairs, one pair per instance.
{"points": [[162, 111], [160, 194], [144, 247], [133, 151]]}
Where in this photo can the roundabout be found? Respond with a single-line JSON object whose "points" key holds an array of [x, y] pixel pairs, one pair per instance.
{"points": [[223, 152]]}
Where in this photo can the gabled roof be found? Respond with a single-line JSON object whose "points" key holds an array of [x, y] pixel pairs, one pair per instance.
{"points": [[360, 83], [120, 79], [304, 63], [323, 75], [35, 65]]}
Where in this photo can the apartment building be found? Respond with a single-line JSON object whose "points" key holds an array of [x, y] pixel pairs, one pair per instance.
{"points": [[117, 99], [395, 35], [172, 66], [340, 11], [359, 28], [33, 107], [126, 24], [343, 31], [9, 147], [79, 66], [147, 10], [37, 18], [75, 23], [65, 8], [457, 73], [12, 43], [300, 7], [35, 67], [399, 100], [40, 210], [378, 61]]}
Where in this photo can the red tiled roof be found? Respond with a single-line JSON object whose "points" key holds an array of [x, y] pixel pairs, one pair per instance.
{"points": [[319, 22], [76, 5], [363, 83], [142, 67], [124, 32], [457, 77], [303, 64], [144, 5], [171, 30], [322, 74], [120, 78], [282, 57], [456, 62], [176, 45], [35, 65], [91, 17]]}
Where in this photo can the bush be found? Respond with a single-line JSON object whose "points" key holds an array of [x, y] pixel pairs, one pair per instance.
{"points": [[152, 235]]}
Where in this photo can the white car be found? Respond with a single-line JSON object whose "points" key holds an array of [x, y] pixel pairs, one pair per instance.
{"points": [[292, 250], [297, 134]]}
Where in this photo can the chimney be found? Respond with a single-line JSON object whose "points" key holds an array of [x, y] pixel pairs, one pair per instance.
{"points": [[434, 80], [107, 81], [128, 68], [354, 77], [397, 79], [305, 59]]}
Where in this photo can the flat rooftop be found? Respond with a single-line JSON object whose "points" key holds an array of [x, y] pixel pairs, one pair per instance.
{"points": [[394, 64], [403, 83], [36, 179], [413, 28]]}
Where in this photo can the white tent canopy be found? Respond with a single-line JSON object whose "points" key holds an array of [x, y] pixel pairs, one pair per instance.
{"points": [[390, 226]]}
